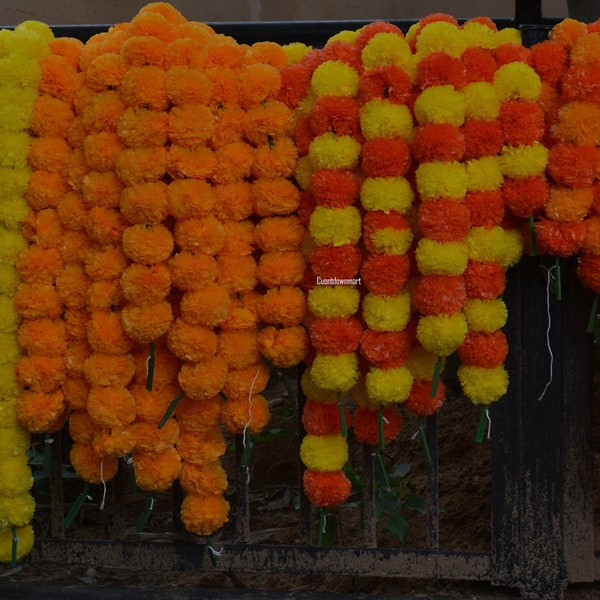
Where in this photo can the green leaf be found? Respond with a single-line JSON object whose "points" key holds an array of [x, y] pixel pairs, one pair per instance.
{"points": [[401, 470], [387, 501], [399, 527], [416, 502]]}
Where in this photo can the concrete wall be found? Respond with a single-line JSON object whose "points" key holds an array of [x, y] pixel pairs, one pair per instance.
{"points": [[114, 11]]}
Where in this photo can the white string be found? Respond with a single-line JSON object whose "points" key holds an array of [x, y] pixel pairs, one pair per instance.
{"points": [[103, 485], [249, 408], [489, 430], [415, 435], [550, 277], [216, 552], [148, 366], [324, 529], [385, 419]]}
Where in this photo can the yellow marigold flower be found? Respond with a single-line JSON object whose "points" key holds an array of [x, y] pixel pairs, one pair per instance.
{"points": [[9, 386], [312, 390], [483, 386], [386, 48], [421, 363], [382, 118], [8, 408], [388, 386], [20, 71], [386, 313], [25, 536], [14, 147], [324, 453], [30, 39], [441, 36], [336, 372], [333, 301], [16, 106], [440, 104], [479, 35], [484, 174], [335, 226], [14, 181], [14, 441], [482, 101], [11, 243], [524, 161], [16, 476], [441, 258], [347, 35], [508, 35], [16, 512], [335, 78], [295, 52], [392, 241], [386, 194], [9, 277], [331, 151], [495, 244], [485, 316], [441, 179], [303, 172], [442, 334], [516, 80]]}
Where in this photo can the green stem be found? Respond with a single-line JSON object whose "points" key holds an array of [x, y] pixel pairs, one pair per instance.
{"points": [[143, 520], [384, 474], [150, 374], [211, 553], [532, 244], [593, 315], [483, 423], [47, 454], [15, 543], [423, 437], [436, 376], [77, 505], [247, 453], [322, 527], [171, 409], [558, 279], [342, 416], [380, 427]]}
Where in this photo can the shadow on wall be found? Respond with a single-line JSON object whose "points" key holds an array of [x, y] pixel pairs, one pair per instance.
{"points": [[75, 12]]}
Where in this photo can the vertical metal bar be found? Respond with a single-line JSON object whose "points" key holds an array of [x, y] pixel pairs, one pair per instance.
{"points": [[177, 499], [584, 10], [57, 496], [242, 523], [433, 534], [118, 502], [528, 11], [369, 516], [305, 529]]}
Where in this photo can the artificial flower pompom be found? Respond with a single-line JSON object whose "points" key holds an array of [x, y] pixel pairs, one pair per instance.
{"points": [[385, 274], [147, 322], [560, 238], [338, 114], [8, 551], [441, 258], [324, 453], [386, 194], [381, 118], [105, 333], [445, 220], [568, 204], [572, 165], [495, 244], [388, 386], [386, 313], [442, 334], [332, 151], [365, 424], [334, 78], [441, 179], [440, 36], [577, 123], [483, 174], [482, 385], [420, 402], [17, 511], [526, 196], [199, 447], [111, 406], [385, 349], [549, 59], [15, 441], [567, 32], [210, 478], [284, 347], [335, 188], [339, 335], [252, 379], [326, 489], [91, 467], [191, 342], [250, 414], [108, 369], [517, 80], [387, 233], [486, 350], [439, 294], [440, 68], [152, 405], [485, 280], [438, 141], [485, 315], [279, 233], [323, 418], [328, 262], [279, 268], [203, 380], [440, 104], [146, 283], [203, 514], [337, 227], [199, 416], [156, 472], [272, 197], [238, 347], [285, 305], [385, 157], [390, 82], [335, 372], [588, 270], [209, 306]]}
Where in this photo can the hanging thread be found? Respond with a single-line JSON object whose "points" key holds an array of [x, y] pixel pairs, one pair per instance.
{"points": [[548, 345]]}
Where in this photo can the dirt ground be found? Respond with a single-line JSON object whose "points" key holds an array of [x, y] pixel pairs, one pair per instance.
{"points": [[464, 523]]}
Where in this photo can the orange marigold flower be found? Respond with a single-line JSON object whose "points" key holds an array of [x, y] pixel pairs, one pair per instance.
{"points": [[203, 379], [138, 165], [237, 274], [67, 47], [145, 323], [525, 196], [40, 373], [224, 83], [147, 243], [102, 188], [190, 125], [101, 150], [238, 347], [550, 60], [282, 305], [166, 365], [105, 226], [335, 188], [239, 237], [75, 357], [484, 280], [105, 263], [389, 82], [386, 349], [270, 119], [189, 270], [117, 442], [326, 489], [258, 82], [141, 50], [146, 283], [439, 68], [81, 426], [75, 320], [420, 402], [323, 418], [186, 85], [72, 211], [185, 162], [559, 238], [385, 275], [486, 207], [105, 333], [228, 126], [46, 189], [108, 369], [75, 391], [208, 306], [145, 86], [91, 467], [156, 472], [284, 347], [588, 271], [43, 336], [209, 478], [233, 163], [571, 165], [281, 268], [190, 342], [103, 112], [139, 127], [152, 439], [283, 233], [199, 416], [278, 158], [59, 78], [338, 335], [152, 405], [251, 379], [443, 294], [438, 141], [104, 294], [37, 300], [51, 117], [234, 201], [246, 414], [39, 265], [444, 220], [385, 157], [111, 406], [480, 64], [189, 197], [204, 514], [485, 350], [105, 72], [38, 412], [482, 138], [335, 261], [200, 234], [365, 424]]}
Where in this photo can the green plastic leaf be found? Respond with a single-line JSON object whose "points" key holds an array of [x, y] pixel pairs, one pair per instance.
{"points": [[399, 527]]}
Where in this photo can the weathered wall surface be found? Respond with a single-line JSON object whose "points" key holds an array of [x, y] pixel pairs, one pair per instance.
{"points": [[115, 11]]}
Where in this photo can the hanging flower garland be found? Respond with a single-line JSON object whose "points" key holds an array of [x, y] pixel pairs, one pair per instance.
{"points": [[22, 50]]}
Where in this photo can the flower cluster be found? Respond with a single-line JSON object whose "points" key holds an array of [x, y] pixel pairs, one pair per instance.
{"points": [[20, 56]]}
